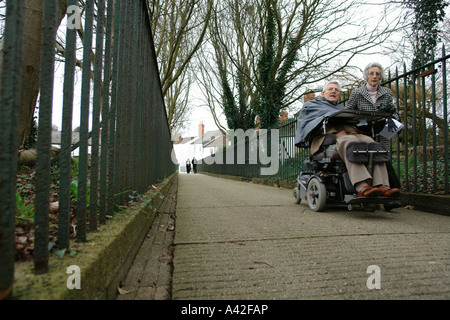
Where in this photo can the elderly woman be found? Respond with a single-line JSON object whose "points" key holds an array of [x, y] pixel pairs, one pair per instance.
{"points": [[371, 96]]}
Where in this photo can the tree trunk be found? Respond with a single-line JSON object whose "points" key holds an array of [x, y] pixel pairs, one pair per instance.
{"points": [[31, 61]]}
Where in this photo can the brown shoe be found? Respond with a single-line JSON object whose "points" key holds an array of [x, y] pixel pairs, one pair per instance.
{"points": [[368, 192], [386, 191]]}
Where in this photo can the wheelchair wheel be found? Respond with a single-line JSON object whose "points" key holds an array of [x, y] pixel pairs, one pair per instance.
{"points": [[296, 195], [317, 195]]}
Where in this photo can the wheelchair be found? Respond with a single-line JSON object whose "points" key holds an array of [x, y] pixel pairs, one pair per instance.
{"points": [[324, 179]]}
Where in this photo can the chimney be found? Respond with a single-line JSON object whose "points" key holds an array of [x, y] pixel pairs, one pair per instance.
{"points": [[284, 116], [201, 129], [309, 96]]}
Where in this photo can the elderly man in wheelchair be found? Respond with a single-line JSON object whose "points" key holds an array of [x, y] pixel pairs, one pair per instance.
{"points": [[346, 166]]}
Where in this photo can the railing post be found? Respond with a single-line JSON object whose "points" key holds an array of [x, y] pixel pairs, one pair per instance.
{"points": [[446, 150], [119, 174], [66, 135], [398, 111], [414, 129], [424, 134], [10, 88], [43, 158], [98, 71], [434, 125], [84, 124], [112, 176], [405, 131], [106, 143]]}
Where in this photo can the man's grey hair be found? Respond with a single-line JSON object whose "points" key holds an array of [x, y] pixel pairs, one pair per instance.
{"points": [[330, 82], [371, 65]]}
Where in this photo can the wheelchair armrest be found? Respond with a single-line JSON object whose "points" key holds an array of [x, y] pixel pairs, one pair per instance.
{"points": [[360, 152]]}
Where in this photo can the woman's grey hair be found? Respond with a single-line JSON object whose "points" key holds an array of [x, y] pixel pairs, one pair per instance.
{"points": [[371, 65], [330, 82]]}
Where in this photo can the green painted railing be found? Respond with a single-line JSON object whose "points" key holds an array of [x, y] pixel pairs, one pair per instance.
{"points": [[122, 103]]}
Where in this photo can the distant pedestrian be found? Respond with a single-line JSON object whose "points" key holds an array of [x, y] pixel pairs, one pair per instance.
{"points": [[194, 164], [188, 166]]}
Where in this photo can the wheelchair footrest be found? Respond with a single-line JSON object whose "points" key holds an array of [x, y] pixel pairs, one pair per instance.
{"points": [[352, 199]]}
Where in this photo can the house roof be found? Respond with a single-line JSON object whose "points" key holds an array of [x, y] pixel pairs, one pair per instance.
{"points": [[184, 140], [216, 142], [209, 137]]}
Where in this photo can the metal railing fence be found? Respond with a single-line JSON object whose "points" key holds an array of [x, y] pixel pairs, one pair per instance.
{"points": [[131, 141], [420, 154]]}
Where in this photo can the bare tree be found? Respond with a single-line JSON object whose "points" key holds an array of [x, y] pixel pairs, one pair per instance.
{"points": [[31, 61], [326, 35], [207, 79], [232, 33], [179, 29]]}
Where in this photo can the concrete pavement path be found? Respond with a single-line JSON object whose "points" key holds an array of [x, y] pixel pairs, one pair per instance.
{"points": [[149, 277], [238, 240]]}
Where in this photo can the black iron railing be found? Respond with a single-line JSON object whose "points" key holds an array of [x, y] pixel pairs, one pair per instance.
{"points": [[121, 105]]}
